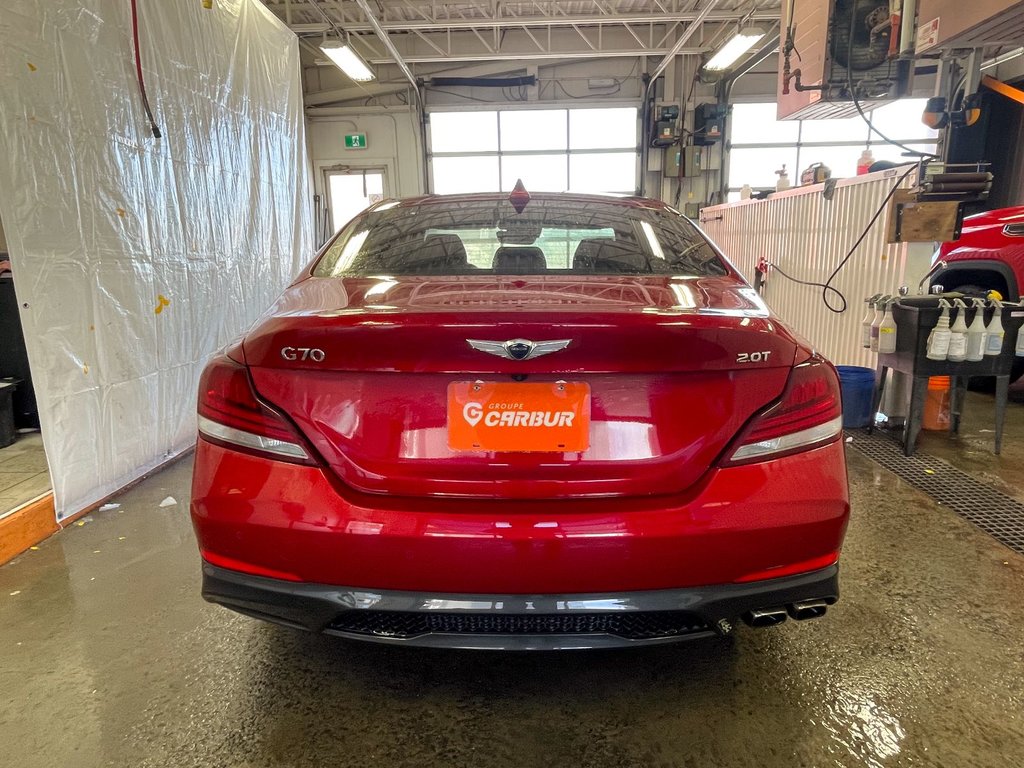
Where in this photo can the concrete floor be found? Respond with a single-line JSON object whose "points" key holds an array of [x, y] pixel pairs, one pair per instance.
{"points": [[971, 450], [110, 658]]}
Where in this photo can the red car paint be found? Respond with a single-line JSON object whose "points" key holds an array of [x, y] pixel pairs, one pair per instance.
{"points": [[988, 254], [683, 372]]}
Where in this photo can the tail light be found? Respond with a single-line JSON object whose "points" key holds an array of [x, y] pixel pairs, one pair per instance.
{"points": [[232, 415], [808, 414]]}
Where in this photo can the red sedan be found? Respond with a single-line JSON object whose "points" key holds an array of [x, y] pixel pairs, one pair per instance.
{"points": [[484, 421]]}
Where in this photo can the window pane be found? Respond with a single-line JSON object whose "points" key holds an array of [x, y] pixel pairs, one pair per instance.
{"points": [[453, 175], [605, 172], [902, 120], [842, 161], [756, 124], [895, 154], [533, 129], [540, 173], [463, 131], [351, 193], [474, 237], [602, 128], [850, 129], [757, 167]]}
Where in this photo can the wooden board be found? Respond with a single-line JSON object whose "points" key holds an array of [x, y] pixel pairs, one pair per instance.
{"points": [[27, 526], [912, 222]]}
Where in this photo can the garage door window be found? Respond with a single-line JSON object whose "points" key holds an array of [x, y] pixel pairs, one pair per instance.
{"points": [[760, 144], [551, 150]]}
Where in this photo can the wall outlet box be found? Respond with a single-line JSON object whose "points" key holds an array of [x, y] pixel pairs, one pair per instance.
{"points": [[693, 161], [672, 161]]}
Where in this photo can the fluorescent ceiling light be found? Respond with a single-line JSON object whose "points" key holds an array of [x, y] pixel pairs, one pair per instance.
{"points": [[729, 53], [347, 60]]}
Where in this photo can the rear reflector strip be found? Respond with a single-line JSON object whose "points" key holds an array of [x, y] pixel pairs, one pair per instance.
{"points": [[270, 445], [790, 442]]}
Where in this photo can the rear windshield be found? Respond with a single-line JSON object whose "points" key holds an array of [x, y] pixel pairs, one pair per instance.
{"points": [[490, 237]]}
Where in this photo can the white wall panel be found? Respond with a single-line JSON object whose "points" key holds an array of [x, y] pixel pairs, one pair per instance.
{"points": [[807, 236], [393, 143], [103, 219]]}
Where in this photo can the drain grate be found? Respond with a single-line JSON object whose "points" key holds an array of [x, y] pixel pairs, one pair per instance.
{"points": [[999, 515]]}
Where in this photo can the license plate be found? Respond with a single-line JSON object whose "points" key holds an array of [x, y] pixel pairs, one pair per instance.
{"points": [[505, 416]]}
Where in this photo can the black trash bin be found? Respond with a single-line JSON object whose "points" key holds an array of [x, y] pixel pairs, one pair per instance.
{"points": [[7, 429]]}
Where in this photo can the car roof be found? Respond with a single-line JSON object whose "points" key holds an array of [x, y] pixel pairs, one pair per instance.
{"points": [[626, 201]]}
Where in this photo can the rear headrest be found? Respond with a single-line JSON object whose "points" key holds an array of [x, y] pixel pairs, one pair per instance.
{"points": [[602, 254], [521, 260], [440, 252]]}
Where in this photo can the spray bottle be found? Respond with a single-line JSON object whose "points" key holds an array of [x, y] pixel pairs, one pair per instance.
{"points": [[865, 324], [783, 182], [976, 334], [994, 333], [938, 339], [958, 334], [877, 320], [887, 330]]}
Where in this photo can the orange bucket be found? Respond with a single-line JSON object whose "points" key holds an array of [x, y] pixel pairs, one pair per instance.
{"points": [[936, 404]]}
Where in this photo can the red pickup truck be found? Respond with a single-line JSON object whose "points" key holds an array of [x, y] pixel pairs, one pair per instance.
{"points": [[989, 255]]}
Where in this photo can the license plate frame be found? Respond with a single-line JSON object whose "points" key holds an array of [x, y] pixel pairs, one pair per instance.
{"points": [[518, 417]]}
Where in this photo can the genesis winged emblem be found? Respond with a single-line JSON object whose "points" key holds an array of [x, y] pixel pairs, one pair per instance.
{"points": [[519, 349]]}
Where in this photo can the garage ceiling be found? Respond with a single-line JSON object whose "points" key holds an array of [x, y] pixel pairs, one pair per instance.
{"points": [[437, 31]]}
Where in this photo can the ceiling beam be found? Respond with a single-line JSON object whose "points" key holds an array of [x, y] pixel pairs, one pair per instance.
{"points": [[333, 95], [386, 40], [539, 55], [684, 38], [503, 20]]}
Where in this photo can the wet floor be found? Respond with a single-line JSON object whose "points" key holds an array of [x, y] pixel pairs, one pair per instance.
{"points": [[972, 450], [108, 657]]}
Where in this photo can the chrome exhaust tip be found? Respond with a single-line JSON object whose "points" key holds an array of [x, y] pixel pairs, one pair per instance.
{"points": [[765, 617], [808, 609]]}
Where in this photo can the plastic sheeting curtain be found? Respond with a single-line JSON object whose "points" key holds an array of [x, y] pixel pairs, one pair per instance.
{"points": [[135, 258]]}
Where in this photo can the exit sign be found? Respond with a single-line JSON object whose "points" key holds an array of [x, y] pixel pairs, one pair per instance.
{"points": [[355, 141]]}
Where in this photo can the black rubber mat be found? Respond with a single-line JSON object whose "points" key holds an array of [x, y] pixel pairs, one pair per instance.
{"points": [[994, 512]]}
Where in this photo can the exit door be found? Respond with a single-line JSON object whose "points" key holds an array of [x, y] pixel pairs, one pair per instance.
{"points": [[351, 190]]}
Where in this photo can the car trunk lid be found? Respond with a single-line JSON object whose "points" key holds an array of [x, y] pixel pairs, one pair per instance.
{"points": [[673, 368]]}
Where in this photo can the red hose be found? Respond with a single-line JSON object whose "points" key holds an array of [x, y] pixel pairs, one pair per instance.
{"points": [[138, 71]]}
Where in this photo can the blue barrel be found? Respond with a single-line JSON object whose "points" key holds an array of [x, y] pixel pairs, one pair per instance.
{"points": [[858, 385]]}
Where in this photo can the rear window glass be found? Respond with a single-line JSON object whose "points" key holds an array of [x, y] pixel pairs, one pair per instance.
{"points": [[490, 237]]}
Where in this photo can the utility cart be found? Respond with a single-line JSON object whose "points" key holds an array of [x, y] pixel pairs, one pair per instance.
{"points": [[915, 318]]}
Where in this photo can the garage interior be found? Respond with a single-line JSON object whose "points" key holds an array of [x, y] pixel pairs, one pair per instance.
{"points": [[168, 168]]}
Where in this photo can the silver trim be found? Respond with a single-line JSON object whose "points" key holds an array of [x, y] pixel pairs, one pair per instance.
{"points": [[501, 348], [788, 442], [218, 431]]}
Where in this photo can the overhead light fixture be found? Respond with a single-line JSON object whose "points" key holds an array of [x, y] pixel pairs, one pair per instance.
{"points": [[729, 54], [347, 60]]}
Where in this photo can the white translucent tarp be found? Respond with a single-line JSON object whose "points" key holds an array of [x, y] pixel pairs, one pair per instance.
{"points": [[135, 258]]}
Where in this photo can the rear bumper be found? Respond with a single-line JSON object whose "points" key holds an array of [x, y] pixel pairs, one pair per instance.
{"points": [[512, 622], [739, 525]]}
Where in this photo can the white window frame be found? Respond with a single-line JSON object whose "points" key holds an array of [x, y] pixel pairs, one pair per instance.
{"points": [[871, 140], [544, 106]]}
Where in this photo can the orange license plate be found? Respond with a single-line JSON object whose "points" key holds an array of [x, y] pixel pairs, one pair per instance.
{"points": [[505, 416]]}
